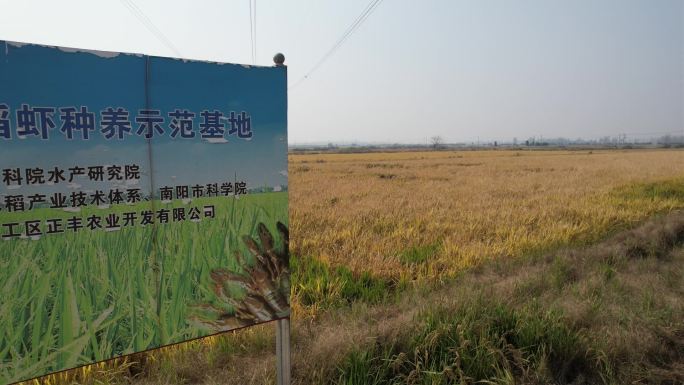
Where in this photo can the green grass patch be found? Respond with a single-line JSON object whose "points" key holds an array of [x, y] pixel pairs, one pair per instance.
{"points": [[417, 255], [316, 283], [476, 341], [670, 190]]}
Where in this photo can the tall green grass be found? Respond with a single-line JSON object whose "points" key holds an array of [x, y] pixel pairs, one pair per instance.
{"points": [[71, 299], [477, 341]]}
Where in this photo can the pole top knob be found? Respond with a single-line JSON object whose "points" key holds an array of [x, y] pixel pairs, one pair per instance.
{"points": [[279, 59]]}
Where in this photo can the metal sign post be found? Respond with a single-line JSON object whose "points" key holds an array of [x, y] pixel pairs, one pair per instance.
{"points": [[283, 351], [283, 365]]}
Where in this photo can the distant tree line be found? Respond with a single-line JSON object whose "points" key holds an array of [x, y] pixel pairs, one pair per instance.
{"points": [[438, 142]]}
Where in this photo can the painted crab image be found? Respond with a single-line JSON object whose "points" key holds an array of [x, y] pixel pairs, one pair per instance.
{"points": [[264, 286]]}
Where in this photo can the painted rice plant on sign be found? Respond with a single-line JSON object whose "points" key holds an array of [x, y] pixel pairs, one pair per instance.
{"points": [[143, 202]]}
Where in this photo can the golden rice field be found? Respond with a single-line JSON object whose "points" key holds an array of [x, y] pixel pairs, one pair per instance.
{"points": [[432, 214]]}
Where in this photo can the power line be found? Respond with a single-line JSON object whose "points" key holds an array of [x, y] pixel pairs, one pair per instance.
{"points": [[140, 15], [251, 31], [349, 31], [255, 31], [137, 12]]}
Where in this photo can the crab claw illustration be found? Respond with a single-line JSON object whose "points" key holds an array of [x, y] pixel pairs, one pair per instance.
{"points": [[265, 285]]}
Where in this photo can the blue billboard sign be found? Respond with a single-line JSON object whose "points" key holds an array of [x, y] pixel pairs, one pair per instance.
{"points": [[143, 202]]}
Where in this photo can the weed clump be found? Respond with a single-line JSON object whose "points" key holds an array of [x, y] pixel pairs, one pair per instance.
{"points": [[417, 255], [475, 341], [317, 284]]}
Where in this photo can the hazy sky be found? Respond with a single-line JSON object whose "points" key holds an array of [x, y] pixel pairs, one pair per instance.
{"points": [[415, 69]]}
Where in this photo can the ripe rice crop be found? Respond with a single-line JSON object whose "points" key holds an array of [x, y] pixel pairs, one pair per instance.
{"points": [[410, 215]]}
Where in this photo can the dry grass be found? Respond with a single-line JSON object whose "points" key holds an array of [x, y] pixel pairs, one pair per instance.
{"points": [[620, 303], [365, 210]]}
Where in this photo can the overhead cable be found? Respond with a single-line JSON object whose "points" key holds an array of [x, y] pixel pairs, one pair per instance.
{"points": [[347, 33], [140, 15], [255, 31], [251, 31]]}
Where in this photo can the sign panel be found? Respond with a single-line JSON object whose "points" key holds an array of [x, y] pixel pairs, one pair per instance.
{"points": [[143, 202]]}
